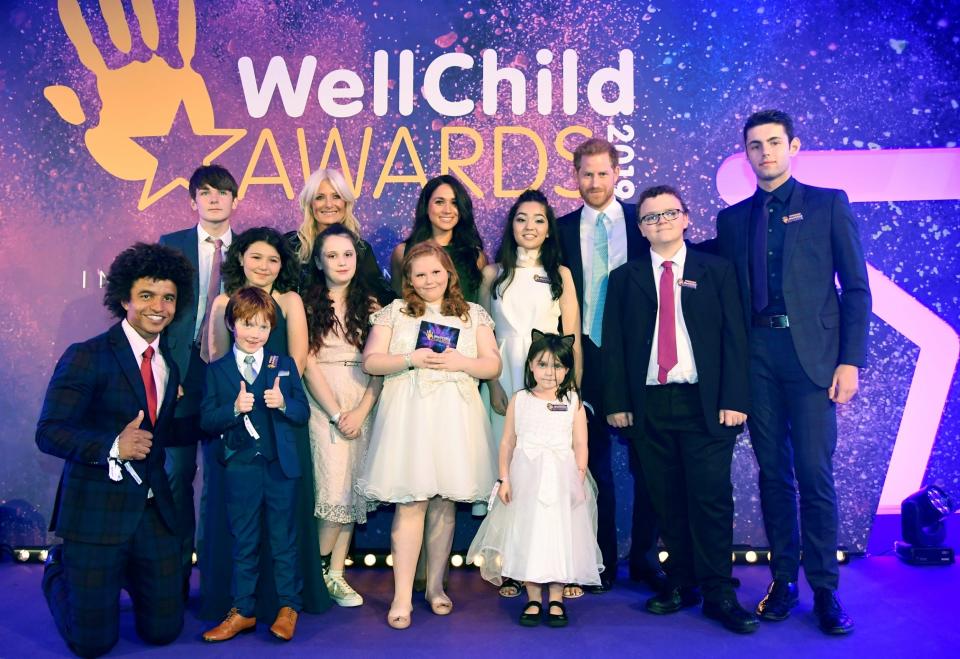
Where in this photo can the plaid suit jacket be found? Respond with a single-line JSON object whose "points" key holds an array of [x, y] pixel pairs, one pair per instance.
{"points": [[95, 391]]}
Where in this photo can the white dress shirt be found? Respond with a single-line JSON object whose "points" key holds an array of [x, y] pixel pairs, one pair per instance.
{"points": [[240, 355], [616, 249], [160, 372], [204, 263], [685, 370]]}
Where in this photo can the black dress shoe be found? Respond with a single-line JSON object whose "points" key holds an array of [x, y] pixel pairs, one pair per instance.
{"points": [[780, 598], [655, 578], [731, 615], [831, 617], [674, 599], [601, 589], [531, 618]]}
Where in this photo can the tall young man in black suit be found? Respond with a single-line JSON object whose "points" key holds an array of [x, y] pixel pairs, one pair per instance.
{"points": [[675, 370], [790, 242], [213, 197], [108, 413], [597, 238]]}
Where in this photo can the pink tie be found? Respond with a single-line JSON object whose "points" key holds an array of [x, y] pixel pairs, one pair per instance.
{"points": [[667, 335], [213, 290]]}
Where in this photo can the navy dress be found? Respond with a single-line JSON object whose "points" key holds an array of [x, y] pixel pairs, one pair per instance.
{"points": [[216, 548]]}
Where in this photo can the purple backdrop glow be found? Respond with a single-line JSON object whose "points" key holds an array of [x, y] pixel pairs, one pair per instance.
{"points": [[498, 93]]}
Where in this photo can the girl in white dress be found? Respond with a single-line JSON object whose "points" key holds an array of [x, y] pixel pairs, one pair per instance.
{"points": [[526, 289], [543, 527], [430, 443]]}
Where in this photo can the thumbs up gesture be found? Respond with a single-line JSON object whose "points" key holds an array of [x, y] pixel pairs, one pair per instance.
{"points": [[134, 443], [274, 397], [244, 401]]}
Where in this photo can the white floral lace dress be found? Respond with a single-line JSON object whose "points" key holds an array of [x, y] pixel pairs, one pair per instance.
{"points": [[431, 435]]}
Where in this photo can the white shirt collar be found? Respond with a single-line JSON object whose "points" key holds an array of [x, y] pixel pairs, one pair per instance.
{"points": [[137, 342], [679, 258], [613, 211], [239, 356], [202, 235]]}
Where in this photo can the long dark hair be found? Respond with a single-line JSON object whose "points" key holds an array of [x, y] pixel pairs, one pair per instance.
{"points": [[560, 347], [466, 245], [321, 317], [549, 251], [232, 269]]}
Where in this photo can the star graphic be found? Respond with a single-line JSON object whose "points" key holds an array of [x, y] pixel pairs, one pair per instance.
{"points": [[181, 150]]}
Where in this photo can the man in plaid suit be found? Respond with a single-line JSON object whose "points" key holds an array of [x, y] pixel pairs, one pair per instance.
{"points": [[107, 413]]}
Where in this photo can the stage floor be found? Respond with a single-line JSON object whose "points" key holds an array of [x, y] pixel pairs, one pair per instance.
{"points": [[900, 611]]}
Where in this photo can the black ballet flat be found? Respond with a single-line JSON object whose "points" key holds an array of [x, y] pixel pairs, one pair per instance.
{"points": [[557, 619], [531, 619]]}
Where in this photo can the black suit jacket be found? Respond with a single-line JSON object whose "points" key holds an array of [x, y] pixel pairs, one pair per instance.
{"points": [[180, 334], [827, 328], [95, 391], [714, 321]]}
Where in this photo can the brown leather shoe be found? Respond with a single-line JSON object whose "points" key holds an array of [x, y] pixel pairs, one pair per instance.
{"points": [[234, 624], [285, 624]]}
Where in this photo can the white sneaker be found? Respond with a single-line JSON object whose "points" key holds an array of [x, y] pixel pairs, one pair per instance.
{"points": [[341, 592]]}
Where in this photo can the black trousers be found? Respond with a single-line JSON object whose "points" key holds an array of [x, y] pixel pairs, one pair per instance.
{"points": [[599, 445], [793, 427], [83, 588], [688, 473]]}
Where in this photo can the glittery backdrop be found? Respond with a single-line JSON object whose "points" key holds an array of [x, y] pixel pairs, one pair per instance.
{"points": [[90, 157]]}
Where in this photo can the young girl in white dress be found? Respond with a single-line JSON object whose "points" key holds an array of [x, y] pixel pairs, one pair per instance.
{"points": [[542, 529]]}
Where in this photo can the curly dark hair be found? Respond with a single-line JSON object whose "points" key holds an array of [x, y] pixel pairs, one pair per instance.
{"points": [[232, 272], [321, 317], [560, 347], [150, 261], [549, 251], [453, 302], [466, 245]]}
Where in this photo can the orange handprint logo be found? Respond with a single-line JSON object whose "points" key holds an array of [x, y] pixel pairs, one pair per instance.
{"points": [[138, 99]]}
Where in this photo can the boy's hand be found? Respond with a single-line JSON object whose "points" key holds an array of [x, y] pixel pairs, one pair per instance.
{"points": [[244, 401], [274, 397]]}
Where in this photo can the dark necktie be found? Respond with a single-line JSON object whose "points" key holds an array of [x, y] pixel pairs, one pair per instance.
{"points": [[149, 385], [758, 281], [667, 327], [213, 290]]}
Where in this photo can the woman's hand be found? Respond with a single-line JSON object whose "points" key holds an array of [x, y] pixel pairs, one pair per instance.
{"points": [[351, 422]]}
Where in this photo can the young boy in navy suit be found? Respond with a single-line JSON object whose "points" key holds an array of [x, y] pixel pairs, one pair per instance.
{"points": [[253, 399]]}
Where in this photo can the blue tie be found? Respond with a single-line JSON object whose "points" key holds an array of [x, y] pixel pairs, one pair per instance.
{"points": [[598, 279]]}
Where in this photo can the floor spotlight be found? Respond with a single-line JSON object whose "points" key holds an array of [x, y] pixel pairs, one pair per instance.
{"points": [[369, 560], [456, 560], [922, 516], [750, 556], [663, 556], [389, 560]]}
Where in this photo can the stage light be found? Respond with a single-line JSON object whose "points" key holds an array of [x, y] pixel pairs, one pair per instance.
{"points": [[456, 560], [369, 560], [193, 558], [663, 556], [750, 556], [389, 560], [478, 560], [23, 555], [841, 556], [769, 556], [42, 555], [348, 561], [922, 516]]}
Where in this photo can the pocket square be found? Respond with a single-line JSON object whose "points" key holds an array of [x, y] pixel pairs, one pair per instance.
{"points": [[283, 374]]}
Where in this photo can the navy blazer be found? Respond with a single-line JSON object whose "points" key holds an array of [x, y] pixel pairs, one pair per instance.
{"points": [[714, 321], [180, 334], [568, 227], [223, 385], [827, 328], [95, 391]]}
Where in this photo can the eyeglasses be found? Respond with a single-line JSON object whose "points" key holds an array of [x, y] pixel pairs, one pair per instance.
{"points": [[654, 218]]}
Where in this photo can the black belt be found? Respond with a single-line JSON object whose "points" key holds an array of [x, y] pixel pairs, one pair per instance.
{"points": [[773, 322]]}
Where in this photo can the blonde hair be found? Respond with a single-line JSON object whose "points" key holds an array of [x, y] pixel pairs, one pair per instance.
{"points": [[308, 228]]}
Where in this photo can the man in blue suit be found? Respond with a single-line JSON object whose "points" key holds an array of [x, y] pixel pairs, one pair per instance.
{"points": [[213, 196], [789, 243], [253, 399], [597, 238], [108, 413]]}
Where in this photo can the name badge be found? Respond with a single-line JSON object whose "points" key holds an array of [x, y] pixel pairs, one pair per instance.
{"points": [[796, 217], [557, 407], [687, 283], [248, 424], [542, 279]]}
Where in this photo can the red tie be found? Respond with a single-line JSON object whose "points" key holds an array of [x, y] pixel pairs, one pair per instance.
{"points": [[146, 372], [667, 335], [213, 290]]}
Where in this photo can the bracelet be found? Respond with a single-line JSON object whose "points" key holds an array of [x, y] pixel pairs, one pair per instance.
{"points": [[408, 359], [500, 481], [335, 419]]}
